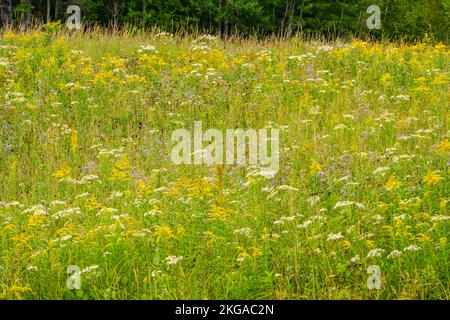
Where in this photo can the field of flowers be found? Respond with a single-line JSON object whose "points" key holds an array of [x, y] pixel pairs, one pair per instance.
{"points": [[86, 177]]}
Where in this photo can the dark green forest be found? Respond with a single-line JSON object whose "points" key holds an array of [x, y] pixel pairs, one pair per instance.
{"points": [[400, 19]]}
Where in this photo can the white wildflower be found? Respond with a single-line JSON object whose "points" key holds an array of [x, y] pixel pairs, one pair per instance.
{"points": [[173, 260], [394, 254], [335, 236], [56, 203], [243, 231], [313, 200], [375, 252], [412, 248], [304, 224], [90, 269]]}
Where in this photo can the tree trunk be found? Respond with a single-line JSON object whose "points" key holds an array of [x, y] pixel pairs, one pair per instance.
{"points": [[57, 3], [48, 11], [28, 14], [4, 13], [22, 13], [282, 29], [144, 13], [291, 14], [115, 14], [300, 18], [225, 23], [9, 17], [220, 22], [115, 9]]}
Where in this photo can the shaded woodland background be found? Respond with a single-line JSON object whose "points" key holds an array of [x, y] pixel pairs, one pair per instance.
{"points": [[405, 19]]}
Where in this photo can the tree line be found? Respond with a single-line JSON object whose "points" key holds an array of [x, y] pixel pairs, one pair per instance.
{"points": [[410, 19]]}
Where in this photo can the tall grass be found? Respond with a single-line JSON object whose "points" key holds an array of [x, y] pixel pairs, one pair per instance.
{"points": [[86, 177]]}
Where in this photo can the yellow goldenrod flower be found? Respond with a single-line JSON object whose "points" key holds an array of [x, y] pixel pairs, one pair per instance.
{"points": [[18, 291], [315, 166], [92, 204], [369, 243], [123, 163], [218, 213], [423, 237], [64, 172], [386, 78], [440, 79], [74, 140], [242, 256], [443, 147], [432, 178], [347, 244], [37, 220], [392, 183], [256, 252], [164, 232], [9, 226]]}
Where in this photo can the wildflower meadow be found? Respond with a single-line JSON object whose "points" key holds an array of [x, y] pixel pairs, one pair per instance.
{"points": [[92, 205]]}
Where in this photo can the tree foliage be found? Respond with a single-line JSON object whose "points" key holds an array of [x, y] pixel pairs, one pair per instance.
{"points": [[410, 19]]}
